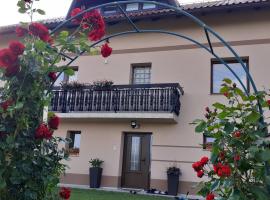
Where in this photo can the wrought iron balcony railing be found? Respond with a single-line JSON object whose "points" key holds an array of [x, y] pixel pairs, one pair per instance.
{"points": [[119, 98]]}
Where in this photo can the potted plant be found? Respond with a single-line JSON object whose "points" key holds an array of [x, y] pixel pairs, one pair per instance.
{"points": [[173, 174], [102, 85], [95, 172]]}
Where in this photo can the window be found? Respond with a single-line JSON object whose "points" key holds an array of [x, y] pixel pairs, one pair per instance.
{"points": [[141, 74], [110, 10], [219, 71], [207, 142], [63, 78], [132, 6], [74, 145], [149, 6]]}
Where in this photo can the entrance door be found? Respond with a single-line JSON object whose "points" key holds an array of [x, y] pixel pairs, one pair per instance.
{"points": [[136, 161]]}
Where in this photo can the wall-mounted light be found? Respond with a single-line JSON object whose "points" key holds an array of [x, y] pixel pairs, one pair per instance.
{"points": [[134, 124]]}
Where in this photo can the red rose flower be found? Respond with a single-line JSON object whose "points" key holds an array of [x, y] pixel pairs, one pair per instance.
{"points": [[39, 30], [97, 23], [236, 157], [12, 70], [237, 134], [200, 174], [64, 193], [226, 94], [7, 58], [222, 170], [207, 109], [268, 102], [52, 76], [75, 12], [6, 104], [106, 51], [54, 122], [217, 167], [210, 196], [16, 47], [221, 155], [197, 166], [204, 160], [43, 132], [20, 32]]}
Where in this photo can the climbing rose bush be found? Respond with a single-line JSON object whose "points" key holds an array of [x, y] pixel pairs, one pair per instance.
{"points": [[30, 154], [238, 168]]}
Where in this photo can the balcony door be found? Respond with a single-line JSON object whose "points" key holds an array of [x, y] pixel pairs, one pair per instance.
{"points": [[136, 160]]}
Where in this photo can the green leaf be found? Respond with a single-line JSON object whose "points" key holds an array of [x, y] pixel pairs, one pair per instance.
{"points": [[228, 81], [260, 193], [265, 155], [69, 72], [200, 127], [41, 12], [219, 106], [253, 117]]}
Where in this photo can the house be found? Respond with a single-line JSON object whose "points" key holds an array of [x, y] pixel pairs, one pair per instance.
{"points": [[141, 125]]}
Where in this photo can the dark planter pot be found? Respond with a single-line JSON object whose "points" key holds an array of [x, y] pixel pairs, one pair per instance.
{"points": [[173, 183], [95, 177]]}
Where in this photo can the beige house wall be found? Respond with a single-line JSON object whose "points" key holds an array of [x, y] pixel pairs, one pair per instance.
{"points": [[173, 60]]}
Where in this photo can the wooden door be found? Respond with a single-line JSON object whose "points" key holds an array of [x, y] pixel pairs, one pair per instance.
{"points": [[136, 160]]}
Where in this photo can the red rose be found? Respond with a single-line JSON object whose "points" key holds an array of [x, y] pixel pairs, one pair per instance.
{"points": [[106, 51], [6, 104], [223, 170], [54, 122], [268, 102], [210, 196], [221, 155], [75, 12], [217, 167], [38, 29], [204, 160], [7, 58], [97, 23], [207, 109], [64, 193], [197, 166], [20, 32], [200, 174], [226, 94], [12, 70], [236, 157], [237, 134], [16, 47], [52, 76], [43, 132]]}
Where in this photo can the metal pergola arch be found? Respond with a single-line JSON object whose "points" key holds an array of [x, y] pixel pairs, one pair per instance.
{"points": [[206, 28]]}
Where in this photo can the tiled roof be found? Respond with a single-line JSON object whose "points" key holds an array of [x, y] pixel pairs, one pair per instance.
{"points": [[210, 6]]}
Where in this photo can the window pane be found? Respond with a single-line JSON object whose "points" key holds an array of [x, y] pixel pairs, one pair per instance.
{"points": [[110, 10], [135, 153], [148, 6], [132, 6], [220, 72], [77, 141], [141, 75]]}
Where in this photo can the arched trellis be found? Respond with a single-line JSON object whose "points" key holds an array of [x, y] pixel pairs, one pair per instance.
{"points": [[178, 10], [208, 32]]}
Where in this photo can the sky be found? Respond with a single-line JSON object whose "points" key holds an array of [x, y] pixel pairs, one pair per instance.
{"points": [[53, 8]]}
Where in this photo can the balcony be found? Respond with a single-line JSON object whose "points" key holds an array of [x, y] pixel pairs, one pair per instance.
{"points": [[152, 102]]}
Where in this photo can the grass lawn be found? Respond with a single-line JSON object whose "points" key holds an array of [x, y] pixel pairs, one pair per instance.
{"points": [[78, 194]]}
